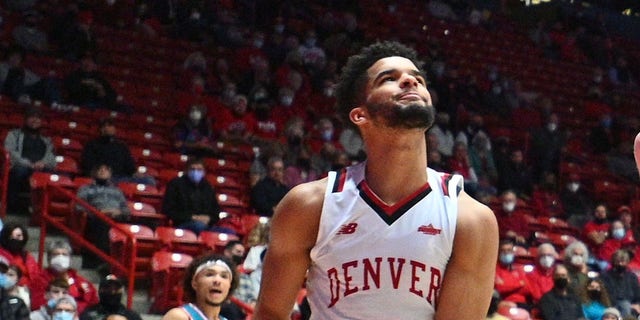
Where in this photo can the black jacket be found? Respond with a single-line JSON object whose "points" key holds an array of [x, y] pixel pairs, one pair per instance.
{"points": [[183, 199]]}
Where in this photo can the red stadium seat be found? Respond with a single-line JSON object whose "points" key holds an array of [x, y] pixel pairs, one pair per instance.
{"points": [[146, 245], [178, 240], [167, 271], [144, 213], [216, 241]]}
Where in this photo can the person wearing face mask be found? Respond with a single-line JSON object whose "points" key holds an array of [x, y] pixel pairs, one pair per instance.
{"points": [[59, 266], [245, 292], [511, 280], [13, 239], [29, 151], [595, 299], [107, 148], [193, 135], [110, 291], [190, 201], [11, 307], [546, 146], [576, 256], [107, 198], [619, 238], [622, 284], [512, 221], [575, 201], [56, 288], [13, 276], [561, 303], [324, 132], [65, 308], [541, 278]]}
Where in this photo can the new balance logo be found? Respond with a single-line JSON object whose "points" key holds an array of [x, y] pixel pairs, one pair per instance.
{"points": [[430, 230], [348, 228]]}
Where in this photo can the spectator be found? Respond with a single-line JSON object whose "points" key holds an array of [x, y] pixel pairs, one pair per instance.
{"points": [[108, 149], [13, 240], [622, 284], [602, 137], [576, 203], [12, 287], [237, 125], [59, 267], [512, 220], [474, 126], [105, 197], [541, 278], [492, 313], [56, 288], [595, 231], [234, 250], [65, 308], [193, 134], [29, 35], [516, 175], [323, 133], [29, 151], [546, 199], [87, 86], [595, 299], [546, 146], [77, 38], [442, 129], [611, 314], [576, 256], [561, 303], [22, 84], [110, 293], [481, 158], [353, 145], [266, 194], [300, 172], [511, 281], [617, 239], [11, 307], [190, 201]]}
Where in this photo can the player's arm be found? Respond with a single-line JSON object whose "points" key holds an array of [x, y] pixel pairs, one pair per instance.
{"points": [[176, 314], [294, 229], [636, 151], [468, 281]]}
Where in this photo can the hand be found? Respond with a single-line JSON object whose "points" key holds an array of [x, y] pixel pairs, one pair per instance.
{"points": [[38, 165]]}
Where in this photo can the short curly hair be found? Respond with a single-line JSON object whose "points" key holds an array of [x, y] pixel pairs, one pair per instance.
{"points": [[350, 87]]}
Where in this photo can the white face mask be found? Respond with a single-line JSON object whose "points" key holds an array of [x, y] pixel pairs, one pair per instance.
{"points": [[60, 263], [552, 126], [573, 186], [508, 206], [547, 261], [577, 260]]}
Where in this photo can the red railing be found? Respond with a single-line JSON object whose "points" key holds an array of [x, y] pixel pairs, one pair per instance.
{"points": [[77, 236]]}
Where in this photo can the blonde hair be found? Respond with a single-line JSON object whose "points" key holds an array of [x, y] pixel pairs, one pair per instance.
{"points": [[259, 234]]}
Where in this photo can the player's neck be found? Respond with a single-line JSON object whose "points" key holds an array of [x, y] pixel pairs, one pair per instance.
{"points": [[211, 312], [396, 166]]}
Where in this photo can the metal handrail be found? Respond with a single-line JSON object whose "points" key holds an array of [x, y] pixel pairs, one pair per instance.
{"points": [[128, 270]]}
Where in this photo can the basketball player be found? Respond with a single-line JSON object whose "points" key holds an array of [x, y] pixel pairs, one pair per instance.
{"points": [[209, 280], [387, 238]]}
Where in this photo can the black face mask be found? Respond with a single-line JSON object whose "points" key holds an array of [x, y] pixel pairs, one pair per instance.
{"points": [[14, 246], [599, 220], [560, 283], [101, 182], [236, 259], [594, 294], [110, 300], [107, 138], [31, 131], [619, 269]]}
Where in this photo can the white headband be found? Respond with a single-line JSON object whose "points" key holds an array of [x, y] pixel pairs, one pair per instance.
{"points": [[210, 264]]}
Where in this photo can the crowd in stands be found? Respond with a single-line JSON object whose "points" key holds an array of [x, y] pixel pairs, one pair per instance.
{"points": [[532, 141]]}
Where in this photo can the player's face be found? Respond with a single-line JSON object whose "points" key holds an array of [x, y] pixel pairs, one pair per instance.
{"points": [[212, 285], [397, 94]]}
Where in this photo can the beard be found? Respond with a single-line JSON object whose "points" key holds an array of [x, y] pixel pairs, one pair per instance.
{"points": [[411, 116]]}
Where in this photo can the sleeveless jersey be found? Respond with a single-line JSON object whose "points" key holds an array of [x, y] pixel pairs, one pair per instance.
{"points": [[374, 261]]}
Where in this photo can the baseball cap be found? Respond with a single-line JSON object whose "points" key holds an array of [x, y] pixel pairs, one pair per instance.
{"points": [[111, 279]]}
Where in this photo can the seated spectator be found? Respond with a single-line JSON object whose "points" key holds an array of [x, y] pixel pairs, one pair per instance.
{"points": [[512, 221], [77, 37], [481, 158], [13, 240], [546, 199], [59, 267], [547, 143], [617, 239], [238, 124], [190, 201], [268, 192], [541, 278], [323, 132], [107, 148], [576, 202], [22, 84], [596, 230], [29, 151], [511, 281], [29, 35], [576, 256], [12, 287], [107, 198], [300, 172], [516, 175], [65, 308], [234, 250], [110, 292], [87, 86], [193, 134], [595, 299], [441, 129], [561, 303], [622, 284], [11, 307], [611, 314], [56, 288]]}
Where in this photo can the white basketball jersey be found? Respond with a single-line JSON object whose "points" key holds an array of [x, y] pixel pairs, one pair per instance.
{"points": [[374, 261]]}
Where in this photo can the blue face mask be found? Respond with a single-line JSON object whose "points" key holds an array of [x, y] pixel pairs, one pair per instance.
{"points": [[5, 282], [63, 315], [196, 175], [618, 233], [51, 303], [507, 258]]}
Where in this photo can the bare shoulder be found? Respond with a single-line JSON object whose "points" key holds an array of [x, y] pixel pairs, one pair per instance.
{"points": [[473, 216], [297, 216], [175, 314]]}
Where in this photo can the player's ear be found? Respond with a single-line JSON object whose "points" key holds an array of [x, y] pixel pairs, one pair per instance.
{"points": [[358, 115]]}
